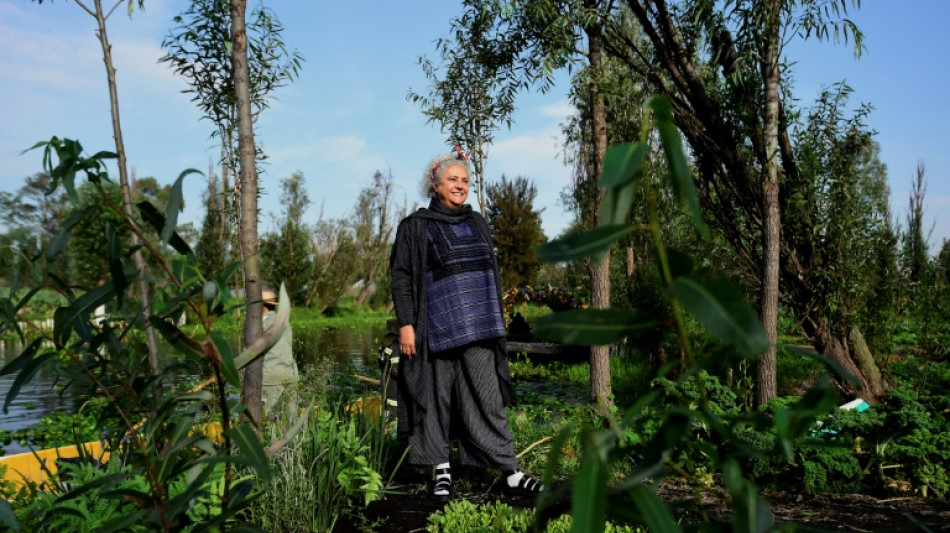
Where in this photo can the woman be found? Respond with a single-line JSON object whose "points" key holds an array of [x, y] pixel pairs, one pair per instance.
{"points": [[453, 366]]}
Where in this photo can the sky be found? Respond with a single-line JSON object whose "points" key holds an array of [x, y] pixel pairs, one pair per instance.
{"points": [[347, 114]]}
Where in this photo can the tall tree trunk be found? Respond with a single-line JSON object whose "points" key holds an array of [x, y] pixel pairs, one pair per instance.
{"points": [[253, 327], [151, 340], [766, 387], [600, 390]]}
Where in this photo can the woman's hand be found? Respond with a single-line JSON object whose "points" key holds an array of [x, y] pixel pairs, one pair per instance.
{"points": [[407, 341]]}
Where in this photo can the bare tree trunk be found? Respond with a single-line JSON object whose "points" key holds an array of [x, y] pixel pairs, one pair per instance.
{"points": [[253, 326], [766, 387], [871, 386], [151, 340], [600, 389]]}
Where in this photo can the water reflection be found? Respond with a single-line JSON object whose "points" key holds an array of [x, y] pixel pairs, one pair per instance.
{"points": [[335, 348], [35, 400]]}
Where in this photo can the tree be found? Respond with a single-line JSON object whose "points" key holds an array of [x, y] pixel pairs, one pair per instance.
{"points": [[199, 48], [915, 253], [101, 16], [472, 99], [373, 226], [715, 107], [524, 42], [287, 255], [516, 229]]}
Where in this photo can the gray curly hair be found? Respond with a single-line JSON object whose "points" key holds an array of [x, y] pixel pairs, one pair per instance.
{"points": [[437, 166]]}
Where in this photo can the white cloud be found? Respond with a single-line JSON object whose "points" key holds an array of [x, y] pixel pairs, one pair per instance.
{"points": [[559, 110]]}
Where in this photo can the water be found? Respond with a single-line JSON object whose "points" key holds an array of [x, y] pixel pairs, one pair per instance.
{"points": [[339, 349]]}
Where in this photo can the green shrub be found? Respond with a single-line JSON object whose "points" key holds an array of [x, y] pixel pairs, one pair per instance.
{"points": [[498, 517]]}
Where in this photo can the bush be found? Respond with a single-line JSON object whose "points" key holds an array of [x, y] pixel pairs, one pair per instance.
{"points": [[497, 517]]}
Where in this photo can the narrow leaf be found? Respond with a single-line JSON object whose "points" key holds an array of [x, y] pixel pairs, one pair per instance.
{"points": [[157, 220], [592, 327], [8, 517], [622, 163], [655, 514], [251, 450], [57, 243], [114, 258], [589, 508], [593, 243], [720, 307], [174, 206], [227, 358], [616, 204]]}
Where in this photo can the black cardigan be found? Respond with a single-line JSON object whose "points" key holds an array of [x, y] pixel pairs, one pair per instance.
{"points": [[408, 270]]}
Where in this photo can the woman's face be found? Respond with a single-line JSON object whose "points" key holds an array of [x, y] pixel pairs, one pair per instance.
{"points": [[452, 188]]}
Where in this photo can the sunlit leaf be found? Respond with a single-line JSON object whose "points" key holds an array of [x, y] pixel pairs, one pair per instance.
{"points": [[593, 243], [591, 327]]}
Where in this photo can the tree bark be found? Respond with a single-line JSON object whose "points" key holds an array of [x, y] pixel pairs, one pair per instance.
{"points": [[253, 326], [870, 385], [151, 339], [766, 387], [600, 389]]}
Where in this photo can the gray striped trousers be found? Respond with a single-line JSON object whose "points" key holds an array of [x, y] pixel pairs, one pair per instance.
{"points": [[465, 386]]}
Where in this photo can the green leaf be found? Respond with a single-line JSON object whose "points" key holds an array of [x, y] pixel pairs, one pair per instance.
{"points": [[589, 508], [177, 338], [622, 164], [719, 306], [227, 359], [593, 243], [251, 450], [57, 243], [681, 178], [653, 511], [592, 327], [616, 204], [76, 315], [751, 513], [155, 219], [8, 517], [114, 257], [174, 206], [833, 365]]}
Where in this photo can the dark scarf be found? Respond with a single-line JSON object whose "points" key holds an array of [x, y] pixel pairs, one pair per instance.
{"points": [[462, 304]]}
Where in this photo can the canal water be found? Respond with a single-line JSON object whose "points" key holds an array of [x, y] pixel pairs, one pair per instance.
{"points": [[338, 349]]}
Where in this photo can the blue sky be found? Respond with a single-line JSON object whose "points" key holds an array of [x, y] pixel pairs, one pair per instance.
{"points": [[347, 114]]}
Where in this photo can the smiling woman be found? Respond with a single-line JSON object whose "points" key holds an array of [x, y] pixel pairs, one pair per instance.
{"points": [[453, 362]]}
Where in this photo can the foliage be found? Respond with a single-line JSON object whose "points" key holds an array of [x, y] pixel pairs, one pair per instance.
{"points": [[334, 468], [372, 226], [715, 303], [497, 517], [157, 414], [516, 230], [199, 50], [287, 256]]}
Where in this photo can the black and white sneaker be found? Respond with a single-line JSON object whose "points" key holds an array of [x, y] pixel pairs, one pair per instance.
{"points": [[517, 483], [441, 488]]}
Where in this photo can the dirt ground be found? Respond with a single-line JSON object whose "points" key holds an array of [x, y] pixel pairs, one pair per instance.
{"points": [[407, 509]]}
